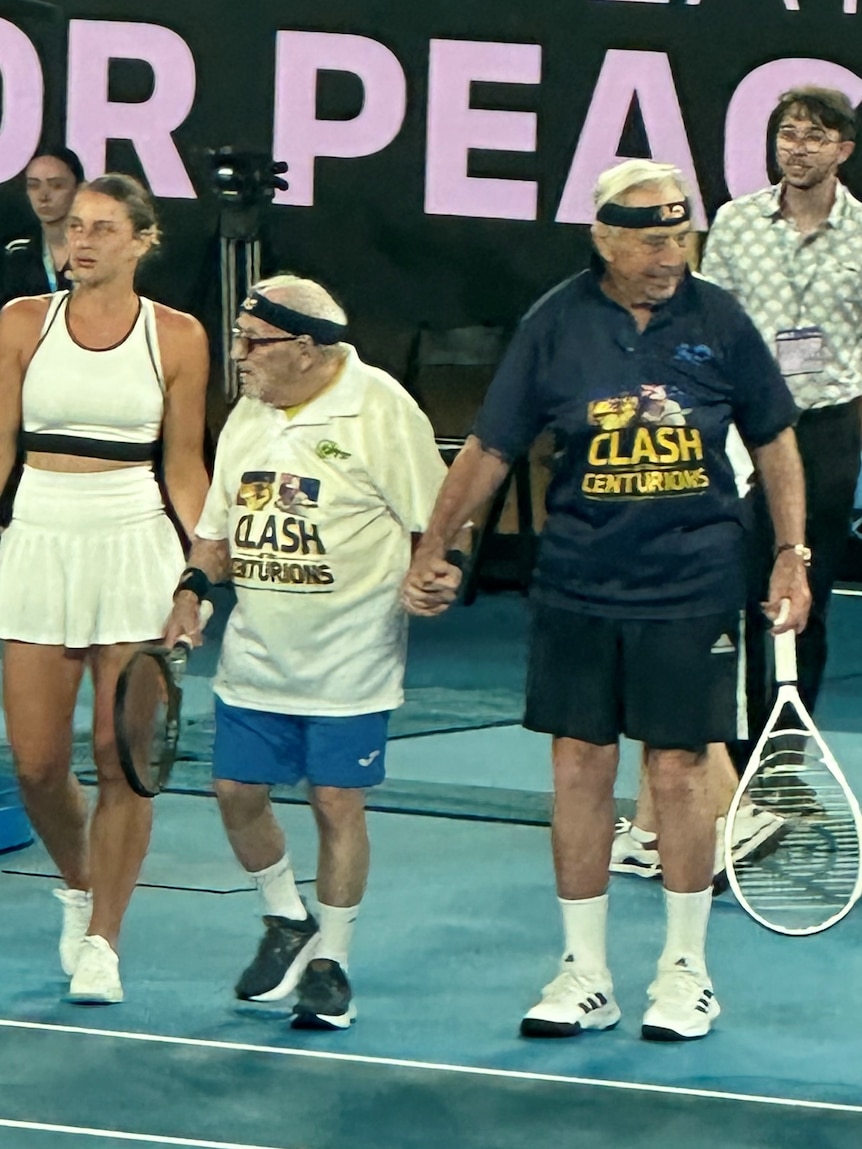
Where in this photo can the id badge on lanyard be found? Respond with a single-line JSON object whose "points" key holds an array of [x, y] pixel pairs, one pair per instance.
{"points": [[799, 350]]}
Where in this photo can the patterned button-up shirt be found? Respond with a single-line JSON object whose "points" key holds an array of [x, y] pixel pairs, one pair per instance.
{"points": [[785, 280]]}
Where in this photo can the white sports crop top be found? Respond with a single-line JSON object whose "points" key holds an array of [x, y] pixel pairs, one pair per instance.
{"points": [[114, 396]]}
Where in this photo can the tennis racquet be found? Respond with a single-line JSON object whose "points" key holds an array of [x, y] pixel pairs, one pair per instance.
{"points": [[814, 877], [147, 712]]}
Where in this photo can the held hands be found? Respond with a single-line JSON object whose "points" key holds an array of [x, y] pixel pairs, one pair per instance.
{"points": [[789, 581], [430, 586]]}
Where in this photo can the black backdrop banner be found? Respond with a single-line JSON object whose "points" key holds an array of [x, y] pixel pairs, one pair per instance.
{"points": [[441, 155]]}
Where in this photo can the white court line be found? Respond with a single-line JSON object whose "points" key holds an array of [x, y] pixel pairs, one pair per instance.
{"points": [[436, 1067], [848, 593], [82, 1131]]}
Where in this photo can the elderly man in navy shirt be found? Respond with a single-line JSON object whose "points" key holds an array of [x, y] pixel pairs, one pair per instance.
{"points": [[639, 369]]}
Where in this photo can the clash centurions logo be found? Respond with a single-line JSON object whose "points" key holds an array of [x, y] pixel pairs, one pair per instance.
{"points": [[643, 446], [277, 545]]}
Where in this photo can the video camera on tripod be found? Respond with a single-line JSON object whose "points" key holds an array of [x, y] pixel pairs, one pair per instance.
{"points": [[243, 182]]}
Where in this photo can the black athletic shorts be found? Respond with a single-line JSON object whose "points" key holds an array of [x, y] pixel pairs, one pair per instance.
{"points": [[674, 684]]}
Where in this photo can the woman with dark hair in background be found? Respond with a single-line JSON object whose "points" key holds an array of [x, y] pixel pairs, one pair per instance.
{"points": [[93, 379], [38, 261]]}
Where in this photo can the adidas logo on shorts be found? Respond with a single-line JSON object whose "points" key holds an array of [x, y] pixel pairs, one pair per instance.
{"points": [[723, 645]]}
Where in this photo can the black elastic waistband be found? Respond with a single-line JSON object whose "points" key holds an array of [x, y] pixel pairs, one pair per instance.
{"points": [[89, 448]]}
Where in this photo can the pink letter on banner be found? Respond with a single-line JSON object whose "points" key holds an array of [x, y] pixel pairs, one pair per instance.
{"points": [[454, 128], [626, 74], [23, 93], [748, 114], [299, 137], [94, 119]]}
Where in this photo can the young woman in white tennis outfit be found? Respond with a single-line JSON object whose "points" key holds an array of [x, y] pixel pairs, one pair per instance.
{"points": [[92, 380]]}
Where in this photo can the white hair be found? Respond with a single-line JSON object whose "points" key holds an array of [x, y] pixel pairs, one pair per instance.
{"points": [[308, 297], [613, 185]]}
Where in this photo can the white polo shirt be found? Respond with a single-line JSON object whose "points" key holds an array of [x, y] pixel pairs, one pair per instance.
{"points": [[318, 510]]}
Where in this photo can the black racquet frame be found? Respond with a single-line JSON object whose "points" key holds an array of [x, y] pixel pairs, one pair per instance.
{"points": [[161, 656]]}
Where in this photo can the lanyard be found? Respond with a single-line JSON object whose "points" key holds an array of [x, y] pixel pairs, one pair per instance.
{"points": [[48, 264]]}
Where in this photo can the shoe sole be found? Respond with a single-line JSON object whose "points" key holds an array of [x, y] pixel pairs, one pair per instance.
{"points": [[537, 1027], [291, 977], [83, 998], [646, 870], [306, 1019], [661, 1033]]}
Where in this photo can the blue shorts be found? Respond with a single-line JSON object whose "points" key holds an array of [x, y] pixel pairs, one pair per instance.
{"points": [[260, 747]]}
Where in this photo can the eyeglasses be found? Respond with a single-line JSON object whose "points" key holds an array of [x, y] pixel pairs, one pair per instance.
{"points": [[249, 342], [787, 139]]}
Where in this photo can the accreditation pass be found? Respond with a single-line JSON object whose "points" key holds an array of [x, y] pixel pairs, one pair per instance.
{"points": [[799, 350]]}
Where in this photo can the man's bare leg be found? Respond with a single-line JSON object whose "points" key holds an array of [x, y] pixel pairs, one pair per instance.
{"points": [[258, 842], [684, 804], [581, 996], [582, 825], [682, 1002], [345, 855]]}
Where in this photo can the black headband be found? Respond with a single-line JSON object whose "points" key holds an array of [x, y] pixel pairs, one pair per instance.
{"points": [[294, 322], [661, 215]]}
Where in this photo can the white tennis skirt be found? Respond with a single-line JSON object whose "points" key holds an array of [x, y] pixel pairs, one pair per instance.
{"points": [[88, 559]]}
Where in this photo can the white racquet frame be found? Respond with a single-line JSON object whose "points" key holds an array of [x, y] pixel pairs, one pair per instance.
{"points": [[788, 694]]}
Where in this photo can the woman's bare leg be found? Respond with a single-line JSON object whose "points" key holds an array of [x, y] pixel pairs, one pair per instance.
{"points": [[40, 686], [121, 822]]}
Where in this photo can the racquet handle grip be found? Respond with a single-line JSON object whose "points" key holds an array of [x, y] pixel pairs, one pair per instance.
{"points": [[785, 649]]}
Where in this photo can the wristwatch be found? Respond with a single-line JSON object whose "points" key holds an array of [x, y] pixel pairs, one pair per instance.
{"points": [[800, 549]]}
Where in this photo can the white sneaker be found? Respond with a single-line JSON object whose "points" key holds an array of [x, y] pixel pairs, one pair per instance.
{"points": [[77, 911], [570, 1003], [629, 856], [97, 976], [682, 1007], [756, 831]]}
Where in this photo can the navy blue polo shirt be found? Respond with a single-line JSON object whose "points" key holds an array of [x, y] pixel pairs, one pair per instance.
{"points": [[644, 518]]}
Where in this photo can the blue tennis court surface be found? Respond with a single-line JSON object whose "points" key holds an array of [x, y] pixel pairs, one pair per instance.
{"points": [[457, 935]]}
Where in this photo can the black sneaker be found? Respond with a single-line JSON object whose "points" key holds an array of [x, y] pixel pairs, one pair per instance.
{"points": [[284, 951], [324, 999]]}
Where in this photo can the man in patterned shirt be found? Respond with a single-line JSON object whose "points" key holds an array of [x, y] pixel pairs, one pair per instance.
{"points": [[792, 255]]}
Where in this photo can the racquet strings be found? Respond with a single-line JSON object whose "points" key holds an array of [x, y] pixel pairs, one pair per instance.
{"points": [[813, 875]]}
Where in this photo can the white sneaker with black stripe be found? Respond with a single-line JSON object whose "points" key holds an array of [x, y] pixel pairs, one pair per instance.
{"points": [[756, 834], [631, 856], [683, 1005], [571, 1003]]}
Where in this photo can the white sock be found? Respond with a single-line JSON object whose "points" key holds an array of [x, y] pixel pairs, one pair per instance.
{"points": [[336, 931], [277, 888], [585, 929], [687, 919]]}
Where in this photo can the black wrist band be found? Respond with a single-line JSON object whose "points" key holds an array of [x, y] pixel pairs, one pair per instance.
{"points": [[195, 580]]}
